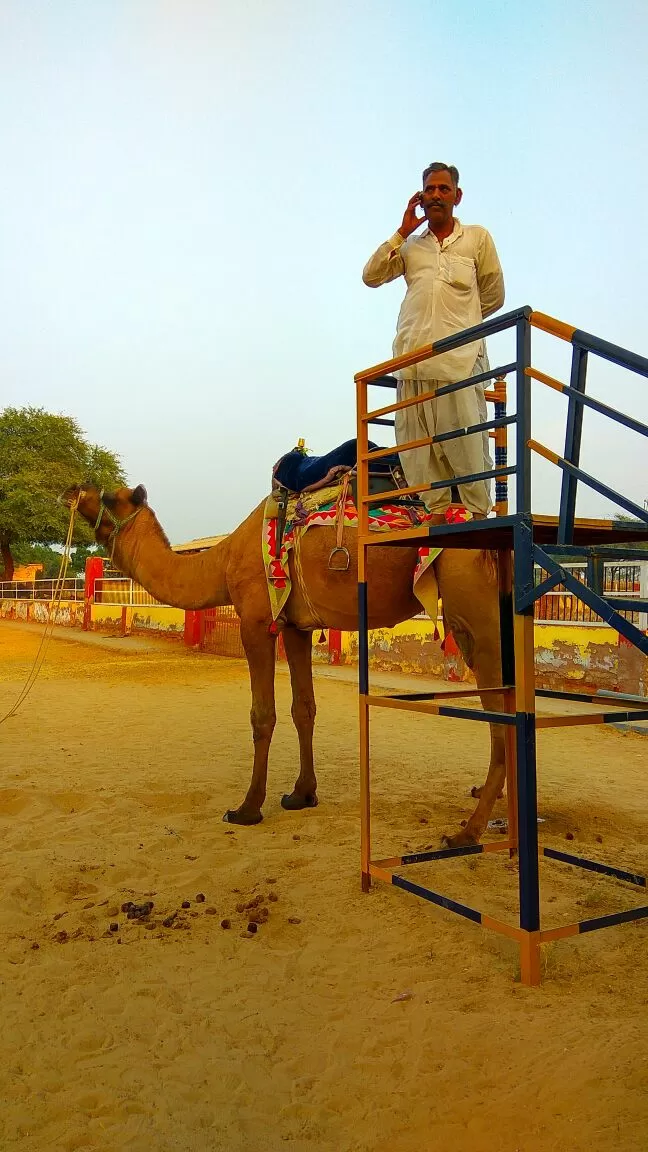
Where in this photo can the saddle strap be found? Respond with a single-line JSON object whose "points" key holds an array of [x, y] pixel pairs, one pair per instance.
{"points": [[341, 506], [339, 558]]}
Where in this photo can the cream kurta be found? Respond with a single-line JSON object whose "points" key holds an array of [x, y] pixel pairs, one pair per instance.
{"points": [[451, 285]]}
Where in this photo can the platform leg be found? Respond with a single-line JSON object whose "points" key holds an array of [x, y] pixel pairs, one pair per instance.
{"points": [[505, 581], [525, 729], [363, 684], [530, 959], [365, 795]]}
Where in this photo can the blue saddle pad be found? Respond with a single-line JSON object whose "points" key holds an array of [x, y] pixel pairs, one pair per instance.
{"points": [[296, 471]]}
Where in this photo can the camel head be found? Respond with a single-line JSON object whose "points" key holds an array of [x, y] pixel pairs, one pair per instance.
{"points": [[106, 512]]}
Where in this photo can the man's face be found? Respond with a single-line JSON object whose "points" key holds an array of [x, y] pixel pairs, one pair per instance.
{"points": [[440, 197]]}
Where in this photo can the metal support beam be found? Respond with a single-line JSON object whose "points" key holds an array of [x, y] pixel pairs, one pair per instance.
{"points": [[572, 448]]}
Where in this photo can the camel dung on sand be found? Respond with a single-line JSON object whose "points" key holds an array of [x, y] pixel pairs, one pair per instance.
{"points": [[233, 573]]}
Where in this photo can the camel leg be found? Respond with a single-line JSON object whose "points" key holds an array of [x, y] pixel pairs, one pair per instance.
{"points": [[474, 621], [477, 790], [299, 651], [494, 786], [260, 652], [427, 592]]}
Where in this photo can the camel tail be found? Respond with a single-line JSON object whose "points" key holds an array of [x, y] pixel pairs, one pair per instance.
{"points": [[488, 558]]}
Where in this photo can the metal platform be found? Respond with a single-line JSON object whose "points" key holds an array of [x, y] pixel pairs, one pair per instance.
{"points": [[520, 541], [497, 533]]}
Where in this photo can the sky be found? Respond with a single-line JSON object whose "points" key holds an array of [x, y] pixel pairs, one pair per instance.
{"points": [[191, 188]]}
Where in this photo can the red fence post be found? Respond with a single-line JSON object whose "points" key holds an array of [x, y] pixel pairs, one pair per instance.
{"points": [[334, 646], [193, 628], [93, 572]]}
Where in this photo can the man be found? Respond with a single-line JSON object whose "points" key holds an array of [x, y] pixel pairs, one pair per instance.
{"points": [[454, 280]]}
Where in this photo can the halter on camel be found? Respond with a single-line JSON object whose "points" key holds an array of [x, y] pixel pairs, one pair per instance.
{"points": [[116, 522]]}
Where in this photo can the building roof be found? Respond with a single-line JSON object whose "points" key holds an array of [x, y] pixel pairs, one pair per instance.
{"points": [[199, 545]]}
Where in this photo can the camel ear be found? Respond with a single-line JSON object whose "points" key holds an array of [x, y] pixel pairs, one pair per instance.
{"points": [[138, 495]]}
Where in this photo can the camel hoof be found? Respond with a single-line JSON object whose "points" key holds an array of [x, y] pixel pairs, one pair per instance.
{"points": [[477, 791], [459, 840], [295, 803], [238, 817]]}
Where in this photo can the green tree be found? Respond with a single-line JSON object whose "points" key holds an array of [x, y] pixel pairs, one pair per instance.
{"points": [[42, 454], [50, 558], [80, 555]]}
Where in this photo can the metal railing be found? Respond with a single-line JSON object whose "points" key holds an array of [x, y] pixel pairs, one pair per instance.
{"points": [[569, 538], [522, 320], [123, 591], [559, 606], [71, 589], [116, 590]]}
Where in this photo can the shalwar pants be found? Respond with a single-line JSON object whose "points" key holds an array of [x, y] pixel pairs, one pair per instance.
{"points": [[460, 456]]}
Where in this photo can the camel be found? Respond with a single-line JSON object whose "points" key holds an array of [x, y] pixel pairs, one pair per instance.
{"points": [[233, 573]]}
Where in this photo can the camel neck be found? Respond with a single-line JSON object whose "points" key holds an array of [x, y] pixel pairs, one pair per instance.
{"points": [[190, 582]]}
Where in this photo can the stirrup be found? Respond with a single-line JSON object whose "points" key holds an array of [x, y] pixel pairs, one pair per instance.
{"points": [[340, 566]]}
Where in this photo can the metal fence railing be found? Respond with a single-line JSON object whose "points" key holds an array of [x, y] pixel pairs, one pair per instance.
{"points": [[121, 590], [558, 606], [221, 632], [117, 590], [562, 607], [70, 589]]}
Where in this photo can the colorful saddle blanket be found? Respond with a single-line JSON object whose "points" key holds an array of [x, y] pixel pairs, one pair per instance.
{"points": [[320, 509]]}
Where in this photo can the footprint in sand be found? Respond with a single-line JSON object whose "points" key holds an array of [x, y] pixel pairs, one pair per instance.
{"points": [[73, 888], [69, 801], [93, 1041], [12, 801]]}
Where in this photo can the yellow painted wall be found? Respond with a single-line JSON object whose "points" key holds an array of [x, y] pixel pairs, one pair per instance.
{"points": [[157, 617], [566, 656], [139, 618], [580, 655], [69, 613], [422, 630], [546, 635], [107, 616]]}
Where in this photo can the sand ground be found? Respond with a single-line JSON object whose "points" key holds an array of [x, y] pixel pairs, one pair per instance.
{"points": [[349, 1022]]}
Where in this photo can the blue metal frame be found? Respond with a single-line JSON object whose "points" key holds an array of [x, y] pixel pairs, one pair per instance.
{"points": [[605, 552], [436, 898], [572, 446], [603, 490], [446, 389], [516, 532], [612, 352], [443, 854], [604, 409], [523, 411], [594, 866], [612, 919]]}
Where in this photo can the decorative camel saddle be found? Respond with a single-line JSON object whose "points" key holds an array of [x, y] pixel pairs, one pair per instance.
{"points": [[321, 491]]}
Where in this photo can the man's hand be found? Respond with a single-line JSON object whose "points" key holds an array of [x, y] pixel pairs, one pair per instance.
{"points": [[410, 220]]}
